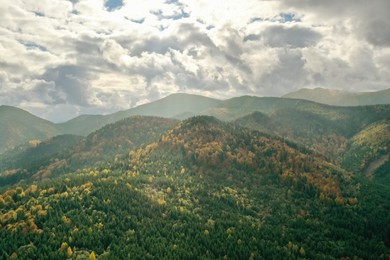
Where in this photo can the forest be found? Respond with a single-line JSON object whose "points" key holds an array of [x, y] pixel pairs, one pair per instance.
{"points": [[197, 188]]}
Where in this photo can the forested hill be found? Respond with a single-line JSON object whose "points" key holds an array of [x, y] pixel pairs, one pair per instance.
{"points": [[199, 188], [19, 127], [276, 178], [60, 154]]}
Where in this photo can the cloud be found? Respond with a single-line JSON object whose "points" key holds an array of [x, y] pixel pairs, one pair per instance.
{"points": [[70, 82], [365, 18], [294, 37], [62, 58]]}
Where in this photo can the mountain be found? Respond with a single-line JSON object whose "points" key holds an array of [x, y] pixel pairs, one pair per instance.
{"points": [[173, 106], [18, 126], [355, 137], [24, 161], [302, 127], [118, 138], [340, 97], [65, 153], [199, 188], [178, 106], [83, 125], [368, 149]]}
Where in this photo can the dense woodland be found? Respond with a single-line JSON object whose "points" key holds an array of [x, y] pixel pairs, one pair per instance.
{"points": [[148, 187]]}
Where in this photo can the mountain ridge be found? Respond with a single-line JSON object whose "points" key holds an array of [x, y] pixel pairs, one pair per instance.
{"points": [[22, 126], [340, 97]]}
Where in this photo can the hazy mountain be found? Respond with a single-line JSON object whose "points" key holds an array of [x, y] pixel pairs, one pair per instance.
{"points": [[18, 126], [340, 97], [304, 128], [171, 106], [178, 106], [83, 125]]}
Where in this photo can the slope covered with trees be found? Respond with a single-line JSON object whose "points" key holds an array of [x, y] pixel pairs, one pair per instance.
{"points": [[60, 154], [286, 179], [202, 189]]}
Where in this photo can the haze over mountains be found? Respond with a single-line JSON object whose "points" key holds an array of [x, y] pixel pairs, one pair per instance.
{"points": [[340, 97], [19, 126]]}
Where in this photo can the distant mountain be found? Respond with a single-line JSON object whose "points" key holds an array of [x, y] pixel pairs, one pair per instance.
{"points": [[178, 106], [340, 97], [173, 106], [18, 126], [304, 128]]}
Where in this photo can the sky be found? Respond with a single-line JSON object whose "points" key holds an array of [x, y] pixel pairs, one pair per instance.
{"points": [[63, 58]]}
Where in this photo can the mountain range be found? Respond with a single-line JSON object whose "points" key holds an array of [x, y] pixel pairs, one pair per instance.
{"points": [[340, 97], [193, 177], [19, 126]]}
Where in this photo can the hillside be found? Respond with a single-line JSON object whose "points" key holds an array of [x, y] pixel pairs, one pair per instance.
{"points": [[25, 161], [359, 142], [370, 148], [18, 126], [341, 98], [67, 153], [203, 189], [304, 128]]}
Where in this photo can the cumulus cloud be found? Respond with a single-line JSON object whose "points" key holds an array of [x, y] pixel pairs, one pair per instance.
{"points": [[61, 58]]}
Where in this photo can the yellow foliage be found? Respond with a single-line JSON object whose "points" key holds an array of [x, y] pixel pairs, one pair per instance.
{"points": [[2, 201], [34, 143], [100, 225], [161, 201], [69, 252], [92, 256], [169, 190], [8, 216], [64, 246], [42, 212]]}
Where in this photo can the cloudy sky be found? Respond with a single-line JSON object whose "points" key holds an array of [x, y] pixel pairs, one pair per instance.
{"points": [[62, 58]]}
